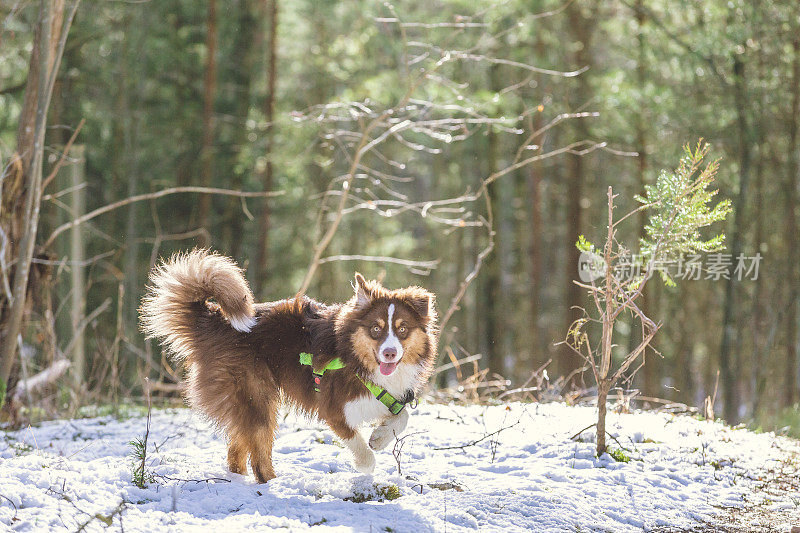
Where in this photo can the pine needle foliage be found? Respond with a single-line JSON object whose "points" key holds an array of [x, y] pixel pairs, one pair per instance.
{"points": [[679, 205], [139, 477]]}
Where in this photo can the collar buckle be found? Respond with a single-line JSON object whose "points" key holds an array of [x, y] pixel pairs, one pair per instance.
{"points": [[393, 408]]}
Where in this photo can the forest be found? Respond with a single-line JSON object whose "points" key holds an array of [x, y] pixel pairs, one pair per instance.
{"points": [[473, 148]]}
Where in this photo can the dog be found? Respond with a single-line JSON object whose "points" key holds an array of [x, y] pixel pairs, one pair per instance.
{"points": [[347, 364]]}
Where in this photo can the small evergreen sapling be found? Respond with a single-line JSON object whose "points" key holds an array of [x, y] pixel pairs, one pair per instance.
{"points": [[679, 206], [140, 476]]}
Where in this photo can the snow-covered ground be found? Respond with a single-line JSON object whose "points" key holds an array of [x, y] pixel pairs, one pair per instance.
{"points": [[509, 468]]}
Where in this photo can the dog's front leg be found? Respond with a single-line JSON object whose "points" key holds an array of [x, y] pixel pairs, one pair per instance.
{"points": [[363, 458], [388, 430]]}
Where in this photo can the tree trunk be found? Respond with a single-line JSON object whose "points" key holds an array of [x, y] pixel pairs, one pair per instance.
{"points": [[790, 392], [569, 362], [77, 270], [535, 257], [25, 177], [247, 46], [209, 93], [323, 88], [15, 180], [492, 298], [759, 309], [581, 28], [651, 370], [262, 259], [130, 88], [602, 400], [728, 358]]}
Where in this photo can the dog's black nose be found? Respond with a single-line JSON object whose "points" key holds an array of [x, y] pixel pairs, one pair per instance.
{"points": [[390, 352]]}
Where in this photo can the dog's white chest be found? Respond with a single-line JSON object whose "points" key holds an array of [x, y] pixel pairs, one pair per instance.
{"points": [[363, 410], [368, 408]]}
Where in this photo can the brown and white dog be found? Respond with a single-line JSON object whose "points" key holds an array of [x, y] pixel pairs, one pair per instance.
{"points": [[244, 358]]}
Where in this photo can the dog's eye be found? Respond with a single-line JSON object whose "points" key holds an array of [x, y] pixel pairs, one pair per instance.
{"points": [[376, 329], [402, 330]]}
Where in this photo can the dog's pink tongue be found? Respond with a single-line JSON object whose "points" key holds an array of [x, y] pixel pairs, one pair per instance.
{"points": [[387, 368]]}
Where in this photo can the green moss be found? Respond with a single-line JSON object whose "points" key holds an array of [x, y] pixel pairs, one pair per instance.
{"points": [[618, 455], [390, 492], [380, 493], [359, 497]]}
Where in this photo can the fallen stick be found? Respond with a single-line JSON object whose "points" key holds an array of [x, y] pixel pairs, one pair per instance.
{"points": [[41, 380]]}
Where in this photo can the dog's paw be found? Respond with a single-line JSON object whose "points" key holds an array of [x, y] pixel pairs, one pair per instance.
{"points": [[365, 462], [381, 437]]}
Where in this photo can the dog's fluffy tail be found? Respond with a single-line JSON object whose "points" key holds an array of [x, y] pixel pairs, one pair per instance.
{"points": [[175, 303]]}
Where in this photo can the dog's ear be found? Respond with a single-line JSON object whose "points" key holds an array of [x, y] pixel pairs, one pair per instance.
{"points": [[422, 304], [363, 294]]}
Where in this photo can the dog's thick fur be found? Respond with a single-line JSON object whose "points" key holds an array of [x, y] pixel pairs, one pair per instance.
{"points": [[243, 358]]}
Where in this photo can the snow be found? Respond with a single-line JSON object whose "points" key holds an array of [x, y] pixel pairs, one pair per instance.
{"points": [[524, 473]]}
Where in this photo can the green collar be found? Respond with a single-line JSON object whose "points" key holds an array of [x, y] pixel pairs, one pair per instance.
{"points": [[382, 395], [394, 405]]}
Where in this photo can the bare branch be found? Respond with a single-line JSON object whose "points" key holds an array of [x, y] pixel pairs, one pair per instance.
{"points": [[459, 25], [152, 196], [427, 265], [64, 154], [634, 354], [478, 441]]}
